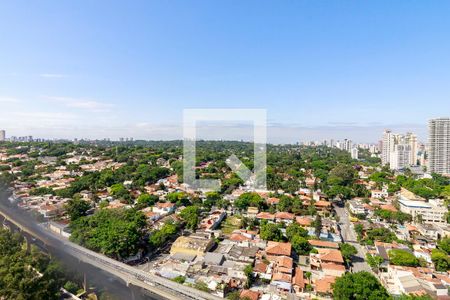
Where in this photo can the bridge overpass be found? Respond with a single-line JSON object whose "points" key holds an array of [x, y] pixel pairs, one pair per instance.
{"points": [[155, 284]]}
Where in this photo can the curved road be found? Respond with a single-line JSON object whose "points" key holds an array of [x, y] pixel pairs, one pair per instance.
{"points": [[100, 280]]}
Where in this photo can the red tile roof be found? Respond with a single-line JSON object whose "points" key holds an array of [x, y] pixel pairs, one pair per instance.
{"points": [[322, 203], [164, 204], [273, 200], [324, 285], [265, 215], [330, 255], [388, 207], [260, 267], [276, 248], [298, 278], [285, 262], [323, 244], [252, 295], [304, 221], [282, 277], [237, 237], [284, 216]]}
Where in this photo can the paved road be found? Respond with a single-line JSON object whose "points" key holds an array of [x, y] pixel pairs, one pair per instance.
{"points": [[158, 285], [97, 279], [349, 236]]}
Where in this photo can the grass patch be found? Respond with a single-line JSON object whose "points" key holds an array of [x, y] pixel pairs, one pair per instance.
{"points": [[230, 224]]}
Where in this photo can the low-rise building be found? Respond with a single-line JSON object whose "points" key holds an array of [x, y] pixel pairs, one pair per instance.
{"points": [[195, 244], [164, 208], [356, 207], [432, 211], [379, 194]]}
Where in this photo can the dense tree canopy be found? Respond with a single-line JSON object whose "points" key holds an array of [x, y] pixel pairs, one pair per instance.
{"points": [[26, 275], [359, 286], [271, 232], [347, 251], [249, 199], [190, 215], [77, 208], [401, 257], [441, 260], [113, 232]]}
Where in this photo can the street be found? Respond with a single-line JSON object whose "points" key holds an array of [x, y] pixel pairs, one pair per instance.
{"points": [[349, 236], [163, 288]]}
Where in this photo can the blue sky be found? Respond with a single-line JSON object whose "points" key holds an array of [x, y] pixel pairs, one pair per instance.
{"points": [[322, 69]]}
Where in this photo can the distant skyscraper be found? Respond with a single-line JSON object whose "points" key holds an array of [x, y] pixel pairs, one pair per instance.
{"points": [[2, 135], [354, 153], [411, 140], [387, 146], [400, 157], [439, 145], [407, 145], [347, 146]]}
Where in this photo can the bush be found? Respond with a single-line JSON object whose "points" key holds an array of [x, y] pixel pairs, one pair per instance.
{"points": [[403, 258]]}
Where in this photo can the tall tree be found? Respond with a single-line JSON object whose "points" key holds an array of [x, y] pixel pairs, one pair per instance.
{"points": [[359, 286]]}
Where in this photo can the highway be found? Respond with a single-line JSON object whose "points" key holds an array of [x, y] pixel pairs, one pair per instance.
{"points": [[163, 288], [349, 236]]}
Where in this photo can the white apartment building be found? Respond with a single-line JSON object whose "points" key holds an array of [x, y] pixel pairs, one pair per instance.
{"points": [[347, 145], [433, 211], [439, 146], [354, 153], [2, 135], [408, 147], [411, 140], [387, 144], [356, 207], [378, 194], [400, 158]]}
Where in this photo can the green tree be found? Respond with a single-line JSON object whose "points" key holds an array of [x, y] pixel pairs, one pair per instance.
{"points": [[285, 203], [318, 225], [374, 261], [301, 245], [179, 279], [77, 208], [359, 286], [249, 199], [295, 229], [401, 257], [71, 287], [113, 232], [120, 191], [271, 232], [444, 245], [359, 229], [248, 271], [27, 275], [190, 216], [441, 260], [145, 200], [347, 251], [234, 295], [158, 238], [343, 175], [414, 297]]}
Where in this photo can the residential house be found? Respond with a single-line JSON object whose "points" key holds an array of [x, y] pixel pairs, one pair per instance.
{"points": [[164, 208], [284, 217]]}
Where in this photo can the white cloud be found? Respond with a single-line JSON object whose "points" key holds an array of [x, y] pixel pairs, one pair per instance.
{"points": [[81, 103], [9, 100], [52, 75]]}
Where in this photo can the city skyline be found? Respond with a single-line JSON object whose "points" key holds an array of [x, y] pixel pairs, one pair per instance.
{"points": [[242, 132], [321, 70]]}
